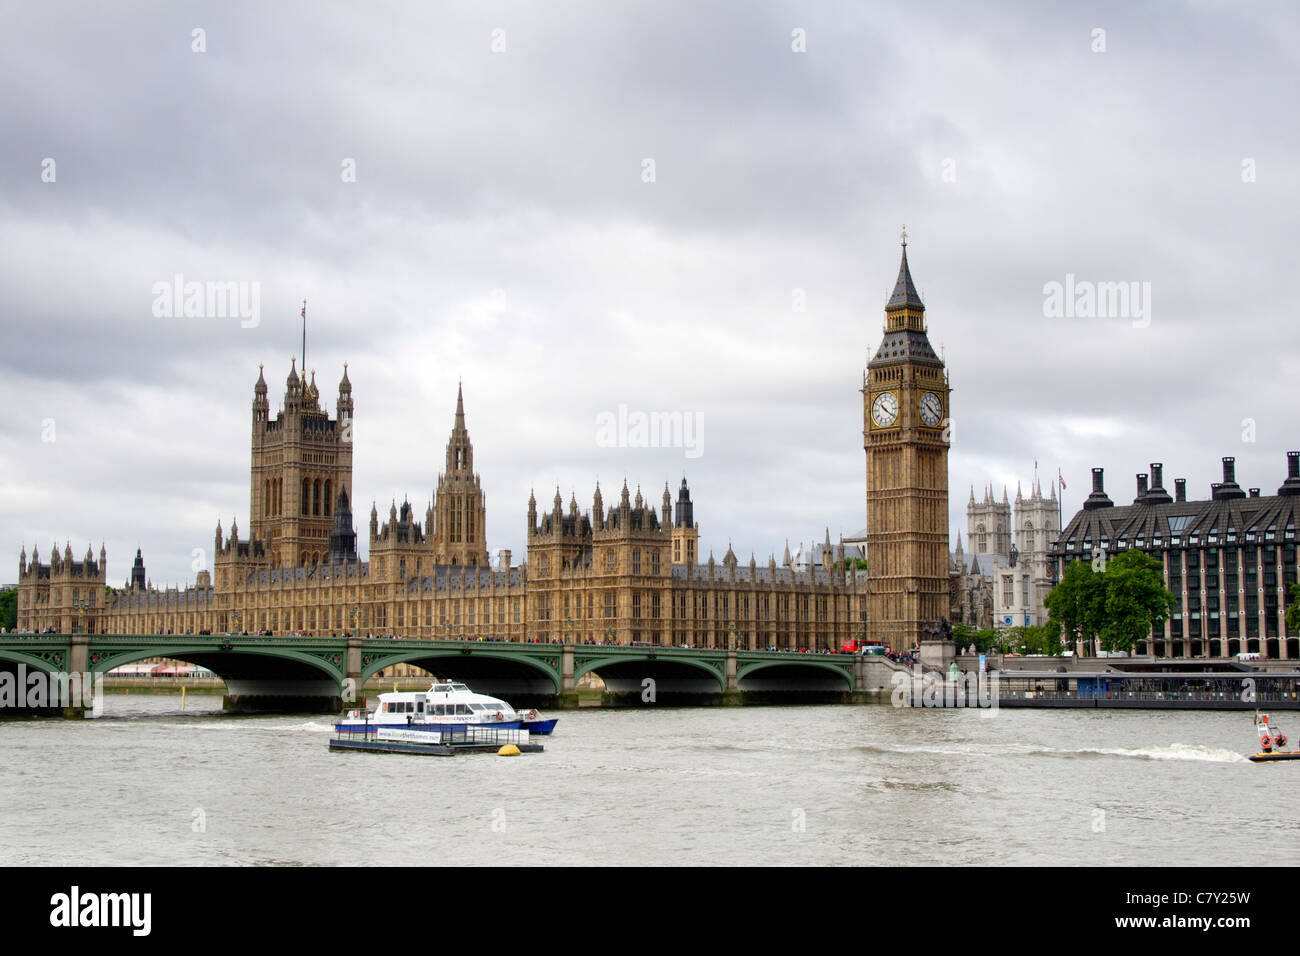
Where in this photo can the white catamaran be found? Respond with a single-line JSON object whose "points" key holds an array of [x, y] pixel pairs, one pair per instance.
{"points": [[445, 703]]}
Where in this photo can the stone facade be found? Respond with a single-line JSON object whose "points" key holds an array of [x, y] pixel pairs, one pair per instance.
{"points": [[626, 573]]}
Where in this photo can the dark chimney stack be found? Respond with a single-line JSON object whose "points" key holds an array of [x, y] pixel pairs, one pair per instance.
{"points": [[1142, 487], [1292, 484], [1098, 498], [1228, 488], [1157, 495], [1180, 489], [1254, 492]]}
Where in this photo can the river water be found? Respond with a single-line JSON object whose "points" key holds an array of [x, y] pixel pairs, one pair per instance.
{"points": [[148, 784]]}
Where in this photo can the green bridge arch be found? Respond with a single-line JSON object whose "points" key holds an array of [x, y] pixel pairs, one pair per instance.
{"points": [[373, 665], [588, 665], [206, 655], [42, 663], [840, 670]]}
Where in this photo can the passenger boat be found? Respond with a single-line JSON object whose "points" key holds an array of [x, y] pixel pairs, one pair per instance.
{"points": [[444, 704], [1271, 742]]}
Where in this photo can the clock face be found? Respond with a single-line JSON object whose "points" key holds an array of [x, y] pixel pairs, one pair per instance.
{"points": [[884, 410], [931, 408]]}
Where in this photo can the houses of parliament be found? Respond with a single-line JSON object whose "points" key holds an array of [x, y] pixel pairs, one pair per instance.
{"points": [[622, 570]]}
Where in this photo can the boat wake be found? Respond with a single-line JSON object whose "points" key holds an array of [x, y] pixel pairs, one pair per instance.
{"points": [[1169, 752], [316, 727]]}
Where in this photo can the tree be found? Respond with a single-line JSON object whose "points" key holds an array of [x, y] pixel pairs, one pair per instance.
{"points": [[1293, 610], [1041, 639], [1136, 600], [1077, 605], [9, 609], [984, 639]]}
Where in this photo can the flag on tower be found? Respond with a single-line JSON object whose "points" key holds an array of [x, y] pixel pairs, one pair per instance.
{"points": [[1060, 479]]}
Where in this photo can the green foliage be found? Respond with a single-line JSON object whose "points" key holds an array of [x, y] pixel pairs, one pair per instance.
{"points": [[1293, 610], [985, 639], [1136, 600], [1077, 605], [1120, 605], [9, 609]]}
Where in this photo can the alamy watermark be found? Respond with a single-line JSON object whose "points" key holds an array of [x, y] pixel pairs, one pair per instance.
{"points": [[37, 689], [1085, 299], [971, 689], [208, 300], [628, 428]]}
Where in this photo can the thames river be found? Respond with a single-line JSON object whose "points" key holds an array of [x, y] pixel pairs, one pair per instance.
{"points": [[148, 784]]}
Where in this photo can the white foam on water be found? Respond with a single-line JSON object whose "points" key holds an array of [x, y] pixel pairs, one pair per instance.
{"points": [[316, 727], [1169, 752]]}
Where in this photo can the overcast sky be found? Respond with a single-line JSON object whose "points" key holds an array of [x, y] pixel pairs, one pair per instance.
{"points": [[500, 229]]}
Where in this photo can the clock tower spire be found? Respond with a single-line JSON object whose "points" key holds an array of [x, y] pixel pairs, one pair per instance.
{"points": [[906, 434]]}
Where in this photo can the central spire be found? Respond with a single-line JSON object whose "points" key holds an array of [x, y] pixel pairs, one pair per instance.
{"points": [[905, 295]]}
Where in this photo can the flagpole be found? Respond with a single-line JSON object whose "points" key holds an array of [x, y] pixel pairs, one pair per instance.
{"points": [[304, 337]]}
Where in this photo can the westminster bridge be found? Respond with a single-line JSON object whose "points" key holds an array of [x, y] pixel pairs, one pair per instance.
{"points": [[326, 674]]}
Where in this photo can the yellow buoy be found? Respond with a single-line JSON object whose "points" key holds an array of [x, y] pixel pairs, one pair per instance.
{"points": [[509, 750]]}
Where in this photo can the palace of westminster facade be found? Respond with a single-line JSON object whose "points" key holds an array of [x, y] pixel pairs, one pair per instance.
{"points": [[623, 571]]}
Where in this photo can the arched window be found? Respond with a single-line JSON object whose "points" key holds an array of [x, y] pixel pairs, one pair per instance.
{"points": [[306, 499], [327, 499], [315, 497]]}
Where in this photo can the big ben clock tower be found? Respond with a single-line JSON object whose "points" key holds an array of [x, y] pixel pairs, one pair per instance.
{"points": [[905, 431]]}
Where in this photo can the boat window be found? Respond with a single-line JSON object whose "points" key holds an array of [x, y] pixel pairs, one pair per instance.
{"points": [[462, 709], [419, 706]]}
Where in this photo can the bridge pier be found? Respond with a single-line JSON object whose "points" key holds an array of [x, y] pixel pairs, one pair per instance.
{"points": [[731, 694], [78, 663], [352, 672], [567, 698]]}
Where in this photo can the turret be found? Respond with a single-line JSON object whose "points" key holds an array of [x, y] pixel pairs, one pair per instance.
{"points": [[261, 407], [138, 577], [345, 389]]}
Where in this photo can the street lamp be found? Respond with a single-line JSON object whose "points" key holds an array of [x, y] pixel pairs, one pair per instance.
{"points": [[81, 607], [356, 622], [609, 635], [238, 618], [731, 637]]}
